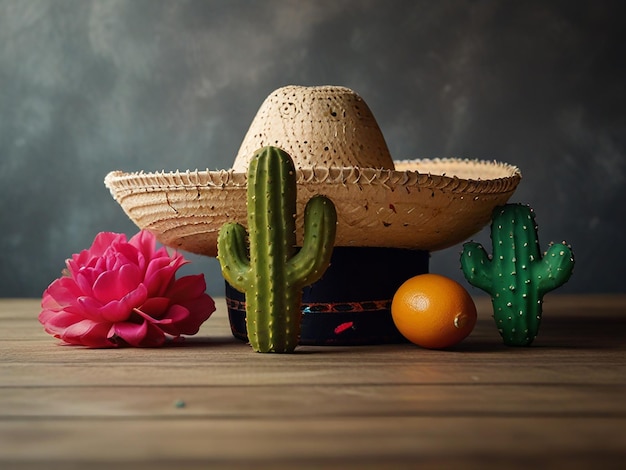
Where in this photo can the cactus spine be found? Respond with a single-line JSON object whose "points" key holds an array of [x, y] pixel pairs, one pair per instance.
{"points": [[516, 276], [273, 275]]}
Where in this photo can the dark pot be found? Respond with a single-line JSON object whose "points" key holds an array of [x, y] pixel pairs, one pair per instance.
{"points": [[351, 303]]}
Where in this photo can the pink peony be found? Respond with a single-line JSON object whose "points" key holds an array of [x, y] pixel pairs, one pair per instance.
{"points": [[124, 293]]}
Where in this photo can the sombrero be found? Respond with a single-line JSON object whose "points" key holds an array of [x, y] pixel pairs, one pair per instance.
{"points": [[339, 151]]}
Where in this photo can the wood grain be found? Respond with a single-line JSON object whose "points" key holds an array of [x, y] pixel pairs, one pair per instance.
{"points": [[211, 402]]}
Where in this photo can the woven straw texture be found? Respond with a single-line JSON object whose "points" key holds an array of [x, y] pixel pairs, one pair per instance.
{"points": [[339, 152], [328, 127]]}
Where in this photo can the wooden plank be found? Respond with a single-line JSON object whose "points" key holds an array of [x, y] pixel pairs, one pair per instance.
{"points": [[192, 374], [599, 319], [557, 403], [229, 350], [562, 336], [428, 400], [281, 443], [573, 349]]}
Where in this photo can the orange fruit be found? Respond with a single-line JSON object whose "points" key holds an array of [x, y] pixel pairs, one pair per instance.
{"points": [[433, 311]]}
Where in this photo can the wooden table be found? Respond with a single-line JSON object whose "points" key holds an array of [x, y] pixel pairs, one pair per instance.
{"points": [[214, 403]]}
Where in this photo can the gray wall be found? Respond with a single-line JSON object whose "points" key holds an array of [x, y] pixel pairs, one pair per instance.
{"points": [[89, 86]]}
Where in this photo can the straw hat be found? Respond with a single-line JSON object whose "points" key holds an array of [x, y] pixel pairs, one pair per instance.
{"points": [[339, 151]]}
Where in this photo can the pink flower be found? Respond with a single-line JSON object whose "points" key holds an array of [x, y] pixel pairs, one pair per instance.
{"points": [[124, 293]]}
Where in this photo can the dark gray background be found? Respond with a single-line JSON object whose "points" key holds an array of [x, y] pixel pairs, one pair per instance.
{"points": [[89, 86]]}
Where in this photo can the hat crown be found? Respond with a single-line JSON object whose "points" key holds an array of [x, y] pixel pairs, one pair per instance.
{"points": [[322, 126]]}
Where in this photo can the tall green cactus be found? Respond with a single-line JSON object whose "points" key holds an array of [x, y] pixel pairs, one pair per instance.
{"points": [[516, 276], [273, 275]]}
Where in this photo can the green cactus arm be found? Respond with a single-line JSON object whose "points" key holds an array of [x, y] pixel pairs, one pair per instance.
{"points": [[477, 266], [554, 269], [519, 276], [320, 222], [233, 255], [271, 272]]}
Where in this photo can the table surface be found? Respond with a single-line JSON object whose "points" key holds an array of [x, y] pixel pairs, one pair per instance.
{"points": [[211, 402]]}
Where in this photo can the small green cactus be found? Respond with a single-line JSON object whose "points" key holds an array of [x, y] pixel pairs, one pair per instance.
{"points": [[273, 275], [516, 276]]}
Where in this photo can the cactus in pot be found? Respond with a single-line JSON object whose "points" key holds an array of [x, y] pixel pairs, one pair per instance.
{"points": [[274, 272], [516, 275]]}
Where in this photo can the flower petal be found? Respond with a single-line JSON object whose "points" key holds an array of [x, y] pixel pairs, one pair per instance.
{"points": [[114, 285], [145, 243], [56, 322], [90, 308], [187, 287], [62, 291], [104, 240], [121, 310], [187, 317], [143, 335], [88, 333], [155, 307], [159, 274]]}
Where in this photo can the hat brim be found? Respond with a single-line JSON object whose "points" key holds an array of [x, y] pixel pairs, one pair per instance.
{"points": [[426, 204]]}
